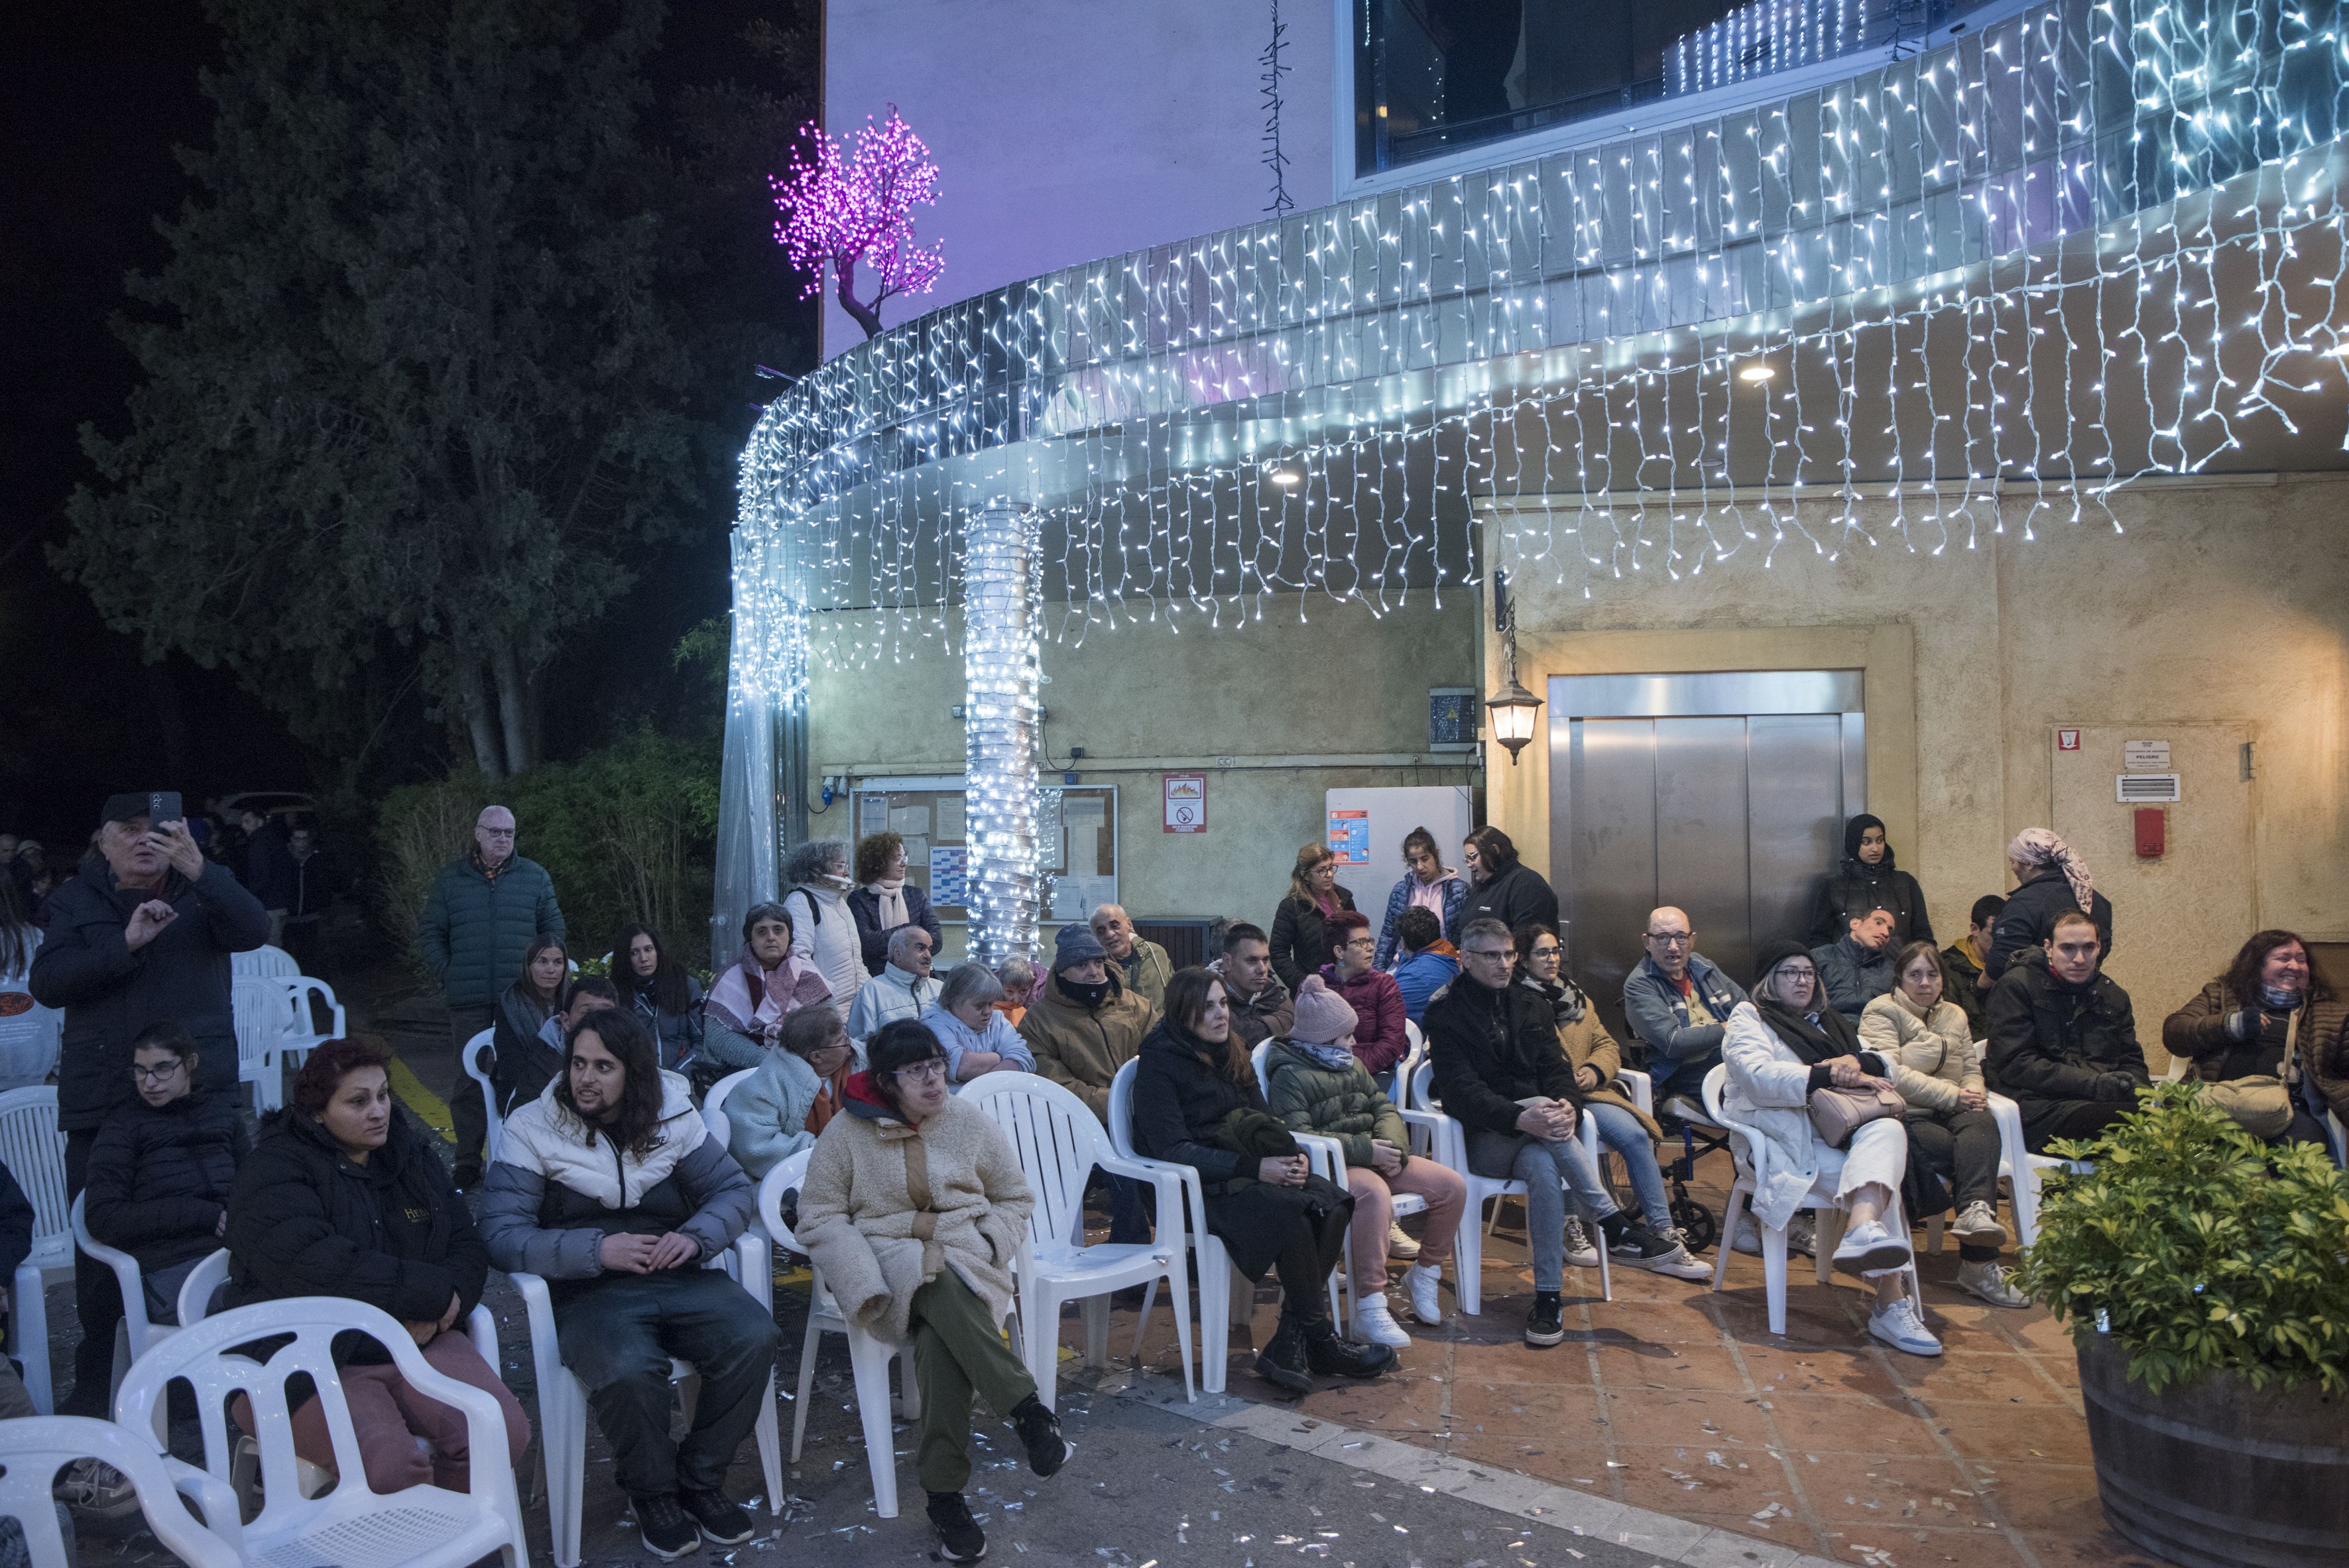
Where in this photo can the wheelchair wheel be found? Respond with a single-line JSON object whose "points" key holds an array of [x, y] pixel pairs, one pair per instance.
{"points": [[1695, 1219]]}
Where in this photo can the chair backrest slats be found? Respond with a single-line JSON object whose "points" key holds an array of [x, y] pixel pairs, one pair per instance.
{"points": [[33, 1149], [1054, 1137]]}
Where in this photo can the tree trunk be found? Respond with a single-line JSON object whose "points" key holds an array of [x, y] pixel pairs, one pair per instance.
{"points": [[514, 707], [477, 720], [867, 316]]}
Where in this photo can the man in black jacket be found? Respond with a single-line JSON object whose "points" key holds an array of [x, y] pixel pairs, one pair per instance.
{"points": [[1498, 1070], [140, 933], [2063, 1038]]}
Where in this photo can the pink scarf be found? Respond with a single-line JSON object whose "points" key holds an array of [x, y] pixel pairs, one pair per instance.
{"points": [[751, 1000]]}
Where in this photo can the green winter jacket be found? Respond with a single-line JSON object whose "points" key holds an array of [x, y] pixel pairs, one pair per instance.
{"points": [[1347, 1106], [476, 927]]}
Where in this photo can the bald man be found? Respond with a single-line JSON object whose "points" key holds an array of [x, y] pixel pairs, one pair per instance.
{"points": [[488, 905], [1678, 1002], [1141, 964]]}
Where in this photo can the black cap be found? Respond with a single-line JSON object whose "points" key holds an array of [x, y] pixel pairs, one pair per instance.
{"points": [[126, 806], [1773, 954]]}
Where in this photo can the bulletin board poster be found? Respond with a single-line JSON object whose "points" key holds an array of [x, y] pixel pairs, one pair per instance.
{"points": [[949, 875], [1350, 837], [1186, 803]]}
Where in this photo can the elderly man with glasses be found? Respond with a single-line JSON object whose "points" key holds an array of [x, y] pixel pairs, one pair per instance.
{"points": [[1677, 1002], [904, 989]]}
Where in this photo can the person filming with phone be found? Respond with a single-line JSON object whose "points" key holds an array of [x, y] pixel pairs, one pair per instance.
{"points": [[140, 933]]}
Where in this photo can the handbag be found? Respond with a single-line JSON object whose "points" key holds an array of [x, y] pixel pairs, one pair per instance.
{"points": [[2261, 1105], [1838, 1113]]}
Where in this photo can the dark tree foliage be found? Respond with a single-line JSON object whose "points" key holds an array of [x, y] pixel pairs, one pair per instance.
{"points": [[457, 337]]}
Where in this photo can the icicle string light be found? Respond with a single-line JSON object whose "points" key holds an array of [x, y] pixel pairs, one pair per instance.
{"points": [[1000, 726]]}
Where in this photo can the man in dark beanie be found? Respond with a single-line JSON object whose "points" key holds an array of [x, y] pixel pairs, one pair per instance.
{"points": [[140, 933], [1083, 1025]]}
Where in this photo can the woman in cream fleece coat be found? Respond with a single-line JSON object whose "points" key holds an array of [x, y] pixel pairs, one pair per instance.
{"points": [[912, 1211]]}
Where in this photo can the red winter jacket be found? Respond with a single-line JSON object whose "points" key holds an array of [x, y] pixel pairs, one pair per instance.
{"points": [[1379, 1039]]}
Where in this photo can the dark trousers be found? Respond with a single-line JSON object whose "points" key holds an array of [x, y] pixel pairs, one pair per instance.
{"points": [[303, 945], [957, 1350], [1308, 1253], [1130, 1206], [98, 1301], [2045, 1120], [618, 1333], [467, 1114], [1961, 1148]]}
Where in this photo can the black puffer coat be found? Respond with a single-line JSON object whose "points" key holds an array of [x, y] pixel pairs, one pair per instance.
{"points": [[1300, 936], [303, 1219], [1514, 897], [1488, 1050], [2051, 1044], [159, 1177], [2029, 919], [1855, 887]]}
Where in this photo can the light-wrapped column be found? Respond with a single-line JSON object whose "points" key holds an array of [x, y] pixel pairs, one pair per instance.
{"points": [[1002, 607]]}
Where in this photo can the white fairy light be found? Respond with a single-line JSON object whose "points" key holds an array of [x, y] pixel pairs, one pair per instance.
{"points": [[1002, 610]]}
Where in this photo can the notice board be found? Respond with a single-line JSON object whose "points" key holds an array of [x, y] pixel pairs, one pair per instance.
{"points": [[1077, 845]]}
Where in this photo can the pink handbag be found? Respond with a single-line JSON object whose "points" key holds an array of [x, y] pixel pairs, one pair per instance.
{"points": [[1838, 1113]]}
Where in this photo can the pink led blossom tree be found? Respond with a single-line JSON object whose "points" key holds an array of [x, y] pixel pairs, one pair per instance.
{"points": [[840, 211]]}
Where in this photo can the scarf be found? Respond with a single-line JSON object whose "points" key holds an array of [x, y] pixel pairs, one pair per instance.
{"points": [[1922, 1014], [1335, 1058], [748, 998], [2280, 1001], [891, 894], [1816, 1037], [1329, 903], [2038, 847], [1567, 1000], [1087, 994]]}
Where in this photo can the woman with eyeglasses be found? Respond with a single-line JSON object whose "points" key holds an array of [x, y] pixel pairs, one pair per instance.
{"points": [[914, 1209], [1300, 934], [1352, 972], [1783, 1046], [161, 1171]]}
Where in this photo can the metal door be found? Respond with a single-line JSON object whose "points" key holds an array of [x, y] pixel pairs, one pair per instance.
{"points": [[1722, 793]]}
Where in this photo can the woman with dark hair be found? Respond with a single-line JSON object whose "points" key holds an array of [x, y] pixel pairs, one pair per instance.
{"points": [[823, 928], [521, 1062], [885, 899], [1501, 886], [1380, 1039], [163, 1166], [344, 1195], [609, 1187], [759, 990], [1867, 879], [1429, 884], [28, 1031], [915, 1207], [656, 988], [1196, 1103], [2268, 1022], [1300, 935]]}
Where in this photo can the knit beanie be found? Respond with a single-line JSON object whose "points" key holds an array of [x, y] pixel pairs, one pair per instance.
{"points": [[1075, 944], [1773, 954], [1323, 1017]]}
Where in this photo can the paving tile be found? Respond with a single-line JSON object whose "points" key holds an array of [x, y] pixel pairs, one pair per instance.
{"points": [[1503, 1410], [2035, 1331], [1669, 1366], [1845, 1423], [1681, 1481], [1415, 1404], [1986, 1430], [1512, 1360], [1560, 1458], [2105, 1549], [2049, 1499], [2004, 1377], [1920, 1491], [1820, 1369], [1910, 1548], [1696, 1417], [1793, 1533]]}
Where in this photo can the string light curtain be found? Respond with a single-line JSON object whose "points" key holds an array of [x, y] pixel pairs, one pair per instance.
{"points": [[1002, 607]]}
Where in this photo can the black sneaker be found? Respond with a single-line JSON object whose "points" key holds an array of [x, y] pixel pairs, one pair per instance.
{"points": [[1332, 1354], [1282, 1362], [1546, 1324], [1039, 1434], [1635, 1243], [960, 1540], [668, 1533], [721, 1518]]}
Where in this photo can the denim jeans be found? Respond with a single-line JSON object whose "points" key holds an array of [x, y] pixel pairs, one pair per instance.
{"points": [[1623, 1133], [618, 1333], [1548, 1170]]}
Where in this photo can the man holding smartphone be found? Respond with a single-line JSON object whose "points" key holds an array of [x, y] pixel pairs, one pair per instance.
{"points": [[140, 933]]}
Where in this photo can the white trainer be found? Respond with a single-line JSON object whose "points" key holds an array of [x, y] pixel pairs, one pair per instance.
{"points": [[1376, 1324], [1992, 1283], [1420, 1280], [1900, 1327], [1979, 1224], [1579, 1252], [1400, 1244], [1871, 1249]]}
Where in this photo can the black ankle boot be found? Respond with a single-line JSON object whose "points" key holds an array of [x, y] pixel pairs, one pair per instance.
{"points": [[1282, 1363], [1039, 1434], [1332, 1355]]}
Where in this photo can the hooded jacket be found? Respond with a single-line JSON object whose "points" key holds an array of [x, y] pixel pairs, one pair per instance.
{"points": [[1300, 936], [2028, 920], [1264, 1016], [1491, 1049], [887, 1205], [1179, 1100], [2052, 1042], [1080, 1047], [1513, 897], [1380, 1041], [557, 1188], [1347, 1105], [1455, 899], [108, 992], [477, 926], [1657, 1015], [1855, 887], [159, 1178], [767, 1114], [1145, 970], [1851, 975], [1419, 977]]}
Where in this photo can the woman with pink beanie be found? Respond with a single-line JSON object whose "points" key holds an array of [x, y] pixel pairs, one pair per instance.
{"points": [[1318, 1085]]}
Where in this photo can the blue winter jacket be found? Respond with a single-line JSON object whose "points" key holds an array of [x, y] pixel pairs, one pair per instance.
{"points": [[1455, 899], [1659, 1016]]}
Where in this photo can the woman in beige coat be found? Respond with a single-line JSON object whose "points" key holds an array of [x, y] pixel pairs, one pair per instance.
{"points": [[914, 1210], [1952, 1137]]}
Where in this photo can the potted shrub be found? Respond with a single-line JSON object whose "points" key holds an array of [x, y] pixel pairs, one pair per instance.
{"points": [[2205, 1279]]}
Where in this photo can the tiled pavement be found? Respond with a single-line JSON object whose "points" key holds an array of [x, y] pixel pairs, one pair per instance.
{"points": [[1680, 1401]]}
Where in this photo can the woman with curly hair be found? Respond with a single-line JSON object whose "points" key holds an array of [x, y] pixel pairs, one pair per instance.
{"points": [[885, 901]]}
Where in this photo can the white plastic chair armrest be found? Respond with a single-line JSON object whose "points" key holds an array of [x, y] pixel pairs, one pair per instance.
{"points": [[1641, 1086], [127, 1278], [215, 1500], [538, 1306], [1428, 1123], [1166, 1180], [1325, 1156], [196, 1291], [482, 1329]]}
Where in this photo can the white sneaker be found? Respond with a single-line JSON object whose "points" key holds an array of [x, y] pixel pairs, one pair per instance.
{"points": [[1579, 1252], [1992, 1283], [1871, 1249], [1979, 1224], [1900, 1327], [1748, 1239], [1376, 1324], [98, 1490], [1420, 1280], [1676, 1262], [1803, 1235], [1399, 1245]]}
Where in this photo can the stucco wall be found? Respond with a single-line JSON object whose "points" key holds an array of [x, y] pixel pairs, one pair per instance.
{"points": [[1066, 130], [1144, 700], [2222, 602]]}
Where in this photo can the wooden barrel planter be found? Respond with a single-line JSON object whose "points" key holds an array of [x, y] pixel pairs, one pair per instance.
{"points": [[2215, 1474]]}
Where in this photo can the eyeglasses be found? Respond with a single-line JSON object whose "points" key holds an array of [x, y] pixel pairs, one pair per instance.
{"points": [[931, 1071], [161, 1073], [1549, 951], [1786, 972], [1361, 941], [497, 832], [1492, 954], [1670, 938]]}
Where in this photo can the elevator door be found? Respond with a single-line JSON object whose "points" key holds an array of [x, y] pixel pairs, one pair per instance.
{"points": [[1722, 793]]}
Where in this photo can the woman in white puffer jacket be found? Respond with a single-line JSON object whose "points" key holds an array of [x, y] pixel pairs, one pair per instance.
{"points": [[823, 928]]}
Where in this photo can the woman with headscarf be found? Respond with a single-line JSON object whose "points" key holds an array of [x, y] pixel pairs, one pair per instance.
{"points": [[2055, 879], [1867, 879]]}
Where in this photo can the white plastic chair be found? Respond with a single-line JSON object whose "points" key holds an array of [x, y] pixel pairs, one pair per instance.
{"points": [[1211, 1265], [33, 1451], [33, 1149], [1059, 1142], [1448, 1145], [2021, 1168], [473, 1057], [1399, 1089], [303, 1035], [868, 1357], [1329, 1160], [132, 1334], [1829, 1224], [260, 1021], [352, 1525], [562, 1402], [274, 962], [2340, 1139], [713, 1115]]}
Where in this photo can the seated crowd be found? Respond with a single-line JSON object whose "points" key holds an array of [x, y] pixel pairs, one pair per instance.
{"points": [[1858, 1075]]}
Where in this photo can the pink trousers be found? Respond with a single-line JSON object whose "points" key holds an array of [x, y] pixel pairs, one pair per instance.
{"points": [[388, 1417], [1446, 1195]]}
